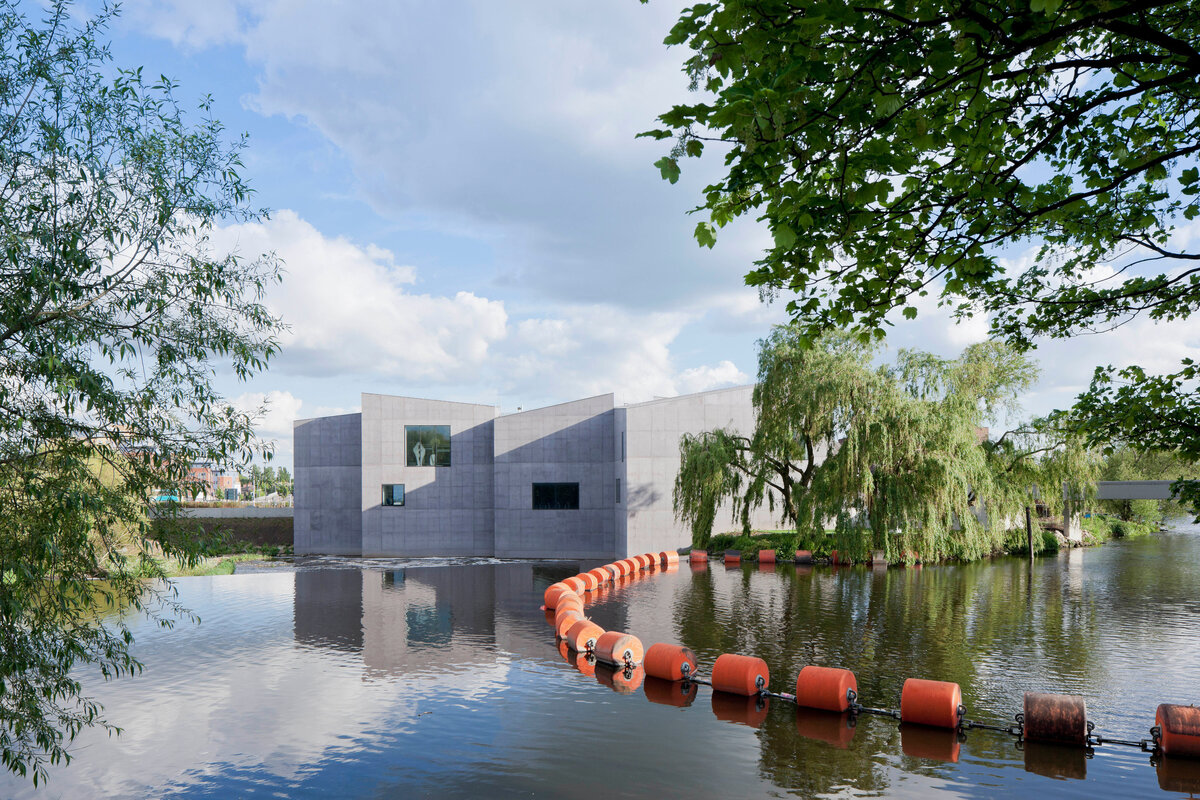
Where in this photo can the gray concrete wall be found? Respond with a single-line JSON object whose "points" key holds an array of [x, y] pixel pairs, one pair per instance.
{"points": [[328, 477], [447, 510], [566, 443], [652, 463], [1133, 490]]}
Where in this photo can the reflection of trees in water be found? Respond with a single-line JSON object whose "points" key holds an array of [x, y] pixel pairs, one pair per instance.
{"points": [[977, 625]]}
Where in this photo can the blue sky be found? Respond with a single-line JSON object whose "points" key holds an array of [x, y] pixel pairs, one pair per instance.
{"points": [[465, 214]]}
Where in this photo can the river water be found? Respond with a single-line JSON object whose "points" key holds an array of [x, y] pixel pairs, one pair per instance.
{"points": [[443, 679]]}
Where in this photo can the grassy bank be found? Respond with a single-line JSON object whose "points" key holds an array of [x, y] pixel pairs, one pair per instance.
{"points": [[209, 565], [1102, 527]]}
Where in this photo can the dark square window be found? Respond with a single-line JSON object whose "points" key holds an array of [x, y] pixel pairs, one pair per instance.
{"points": [[427, 445], [555, 496], [393, 494]]}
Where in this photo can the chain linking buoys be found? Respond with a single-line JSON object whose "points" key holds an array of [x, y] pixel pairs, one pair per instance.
{"points": [[615, 647], [1178, 730], [582, 635], [1057, 761], [826, 688], [669, 662], [825, 726], [766, 556], [750, 711], [670, 693], [1054, 718], [935, 703], [745, 675]]}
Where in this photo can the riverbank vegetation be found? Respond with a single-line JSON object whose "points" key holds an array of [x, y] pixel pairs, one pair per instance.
{"points": [[897, 456]]}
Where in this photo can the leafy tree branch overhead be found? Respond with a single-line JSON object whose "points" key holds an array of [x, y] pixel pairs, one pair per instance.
{"points": [[897, 150]]}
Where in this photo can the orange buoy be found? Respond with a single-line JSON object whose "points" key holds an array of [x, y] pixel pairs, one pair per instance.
{"points": [[1179, 730], [564, 620], [766, 556], [750, 711], [669, 662], [577, 584], [919, 741], [1180, 775], [698, 555], [670, 693], [803, 557], [582, 636], [614, 572], [1058, 761], [1055, 718], [936, 703], [733, 556], [615, 647], [745, 675], [826, 688], [554, 592], [833, 557], [622, 680], [570, 600], [601, 575], [668, 557], [590, 581], [825, 726], [628, 565], [644, 561]]}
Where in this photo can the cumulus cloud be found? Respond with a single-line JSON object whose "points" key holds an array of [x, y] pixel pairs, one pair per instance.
{"points": [[351, 309]]}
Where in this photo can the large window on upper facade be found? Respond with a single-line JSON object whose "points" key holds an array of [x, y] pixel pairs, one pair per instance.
{"points": [[427, 445], [555, 496], [393, 494]]}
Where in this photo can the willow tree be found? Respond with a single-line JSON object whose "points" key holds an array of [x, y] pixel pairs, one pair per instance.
{"points": [[115, 314], [891, 456]]}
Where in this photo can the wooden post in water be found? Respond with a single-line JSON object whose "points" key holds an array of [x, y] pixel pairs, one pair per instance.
{"points": [[1029, 531]]}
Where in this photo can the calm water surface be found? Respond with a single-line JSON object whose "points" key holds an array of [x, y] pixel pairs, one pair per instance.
{"points": [[427, 679]]}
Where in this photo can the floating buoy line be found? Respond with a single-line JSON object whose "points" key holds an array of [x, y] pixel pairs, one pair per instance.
{"points": [[933, 719]]}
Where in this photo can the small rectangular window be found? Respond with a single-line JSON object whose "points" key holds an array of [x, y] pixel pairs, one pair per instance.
{"points": [[555, 496], [393, 494], [427, 445], [622, 447], [618, 491]]}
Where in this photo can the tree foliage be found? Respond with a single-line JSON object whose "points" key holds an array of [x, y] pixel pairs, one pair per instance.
{"points": [[897, 150], [114, 315], [891, 456]]}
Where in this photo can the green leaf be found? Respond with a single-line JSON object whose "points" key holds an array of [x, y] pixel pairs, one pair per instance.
{"points": [[668, 168], [706, 234]]}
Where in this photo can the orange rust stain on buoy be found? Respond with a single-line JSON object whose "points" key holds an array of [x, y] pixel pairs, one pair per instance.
{"points": [[750, 711], [615, 647], [933, 703], [582, 635], [825, 726], [1055, 718], [669, 693], [766, 556], [826, 688], [918, 741], [669, 662], [744, 675], [1179, 728]]}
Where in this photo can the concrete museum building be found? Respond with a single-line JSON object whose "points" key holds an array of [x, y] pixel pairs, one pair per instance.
{"points": [[584, 479]]}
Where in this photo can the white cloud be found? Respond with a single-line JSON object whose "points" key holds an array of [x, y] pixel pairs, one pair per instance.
{"points": [[700, 379], [350, 309]]}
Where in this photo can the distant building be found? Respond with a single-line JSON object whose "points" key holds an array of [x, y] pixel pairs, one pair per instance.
{"points": [[584, 479]]}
